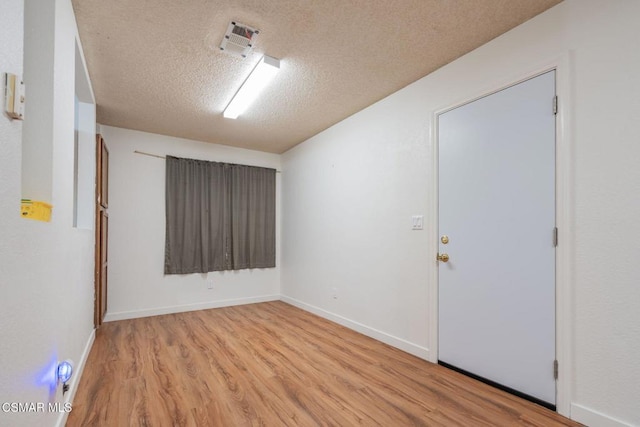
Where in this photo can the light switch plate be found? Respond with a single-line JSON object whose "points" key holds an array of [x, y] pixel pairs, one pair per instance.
{"points": [[417, 222]]}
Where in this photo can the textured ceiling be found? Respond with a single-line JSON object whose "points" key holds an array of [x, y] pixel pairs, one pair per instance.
{"points": [[155, 65]]}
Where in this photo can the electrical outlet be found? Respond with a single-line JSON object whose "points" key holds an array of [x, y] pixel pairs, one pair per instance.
{"points": [[209, 284], [334, 293]]}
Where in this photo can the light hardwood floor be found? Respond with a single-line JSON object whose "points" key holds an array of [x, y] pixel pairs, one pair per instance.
{"points": [[272, 364]]}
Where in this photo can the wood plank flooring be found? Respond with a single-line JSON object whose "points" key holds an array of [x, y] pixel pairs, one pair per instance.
{"points": [[272, 364]]}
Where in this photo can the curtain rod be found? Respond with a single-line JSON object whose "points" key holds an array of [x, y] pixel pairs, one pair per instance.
{"points": [[149, 154], [162, 157]]}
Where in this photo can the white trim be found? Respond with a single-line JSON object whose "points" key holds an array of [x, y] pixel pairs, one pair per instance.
{"points": [[564, 219], [590, 417], [84, 61], [396, 342], [78, 370], [433, 247], [134, 314], [399, 343]]}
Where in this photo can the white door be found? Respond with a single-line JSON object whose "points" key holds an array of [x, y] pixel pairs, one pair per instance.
{"points": [[497, 208]]}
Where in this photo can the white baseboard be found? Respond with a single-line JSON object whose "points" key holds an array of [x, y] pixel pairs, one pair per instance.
{"points": [[404, 345], [592, 418], [122, 315], [75, 380]]}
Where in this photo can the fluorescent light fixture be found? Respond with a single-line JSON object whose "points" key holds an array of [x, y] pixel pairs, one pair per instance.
{"points": [[251, 88]]}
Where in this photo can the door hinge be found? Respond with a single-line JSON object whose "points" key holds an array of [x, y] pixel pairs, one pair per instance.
{"points": [[555, 369], [555, 104], [555, 236]]}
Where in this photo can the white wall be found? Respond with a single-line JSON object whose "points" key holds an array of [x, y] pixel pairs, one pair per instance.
{"points": [[350, 192], [37, 182], [46, 269], [85, 174], [137, 285], [85, 127]]}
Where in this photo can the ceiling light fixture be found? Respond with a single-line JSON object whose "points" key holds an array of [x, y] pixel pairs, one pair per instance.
{"points": [[251, 88]]}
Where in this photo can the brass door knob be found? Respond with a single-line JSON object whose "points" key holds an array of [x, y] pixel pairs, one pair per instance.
{"points": [[443, 257]]}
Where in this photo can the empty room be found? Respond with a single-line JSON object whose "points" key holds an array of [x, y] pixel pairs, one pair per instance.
{"points": [[302, 213]]}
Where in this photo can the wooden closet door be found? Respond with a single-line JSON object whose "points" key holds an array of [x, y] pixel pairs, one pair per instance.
{"points": [[102, 230]]}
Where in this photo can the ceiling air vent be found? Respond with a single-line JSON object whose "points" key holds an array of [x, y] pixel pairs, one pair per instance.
{"points": [[238, 40]]}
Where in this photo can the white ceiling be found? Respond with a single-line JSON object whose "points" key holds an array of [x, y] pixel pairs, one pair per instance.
{"points": [[155, 65]]}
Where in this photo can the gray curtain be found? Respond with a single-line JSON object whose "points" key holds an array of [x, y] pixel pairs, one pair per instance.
{"points": [[253, 223], [219, 216]]}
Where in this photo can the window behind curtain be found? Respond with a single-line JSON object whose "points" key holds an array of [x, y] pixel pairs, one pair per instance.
{"points": [[219, 216]]}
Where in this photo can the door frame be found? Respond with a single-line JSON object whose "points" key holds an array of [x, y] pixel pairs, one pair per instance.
{"points": [[101, 210], [564, 218]]}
